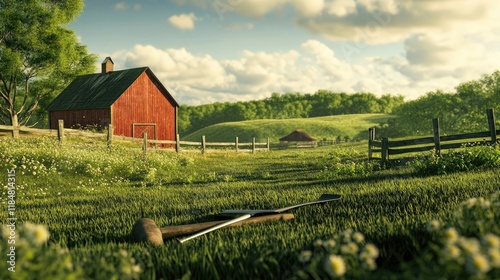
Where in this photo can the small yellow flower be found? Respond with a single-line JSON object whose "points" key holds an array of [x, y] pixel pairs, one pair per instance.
{"points": [[358, 237], [127, 269], [491, 240], [452, 251], [318, 242], [494, 255], [451, 235], [136, 268], [37, 234], [41, 234], [123, 253], [330, 243], [470, 202], [370, 264], [477, 264], [371, 250], [350, 248], [335, 266], [469, 245], [347, 235]]}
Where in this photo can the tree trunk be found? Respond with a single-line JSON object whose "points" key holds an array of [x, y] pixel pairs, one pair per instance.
{"points": [[15, 124]]}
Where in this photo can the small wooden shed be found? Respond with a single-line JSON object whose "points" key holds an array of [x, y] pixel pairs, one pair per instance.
{"points": [[300, 138], [132, 100]]}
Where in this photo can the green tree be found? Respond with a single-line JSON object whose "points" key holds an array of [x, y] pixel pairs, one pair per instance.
{"points": [[479, 95], [39, 56], [415, 117], [458, 112]]}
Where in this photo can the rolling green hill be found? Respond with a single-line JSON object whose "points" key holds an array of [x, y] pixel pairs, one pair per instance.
{"points": [[355, 126]]}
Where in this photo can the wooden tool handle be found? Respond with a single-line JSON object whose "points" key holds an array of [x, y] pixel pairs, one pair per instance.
{"points": [[172, 231]]}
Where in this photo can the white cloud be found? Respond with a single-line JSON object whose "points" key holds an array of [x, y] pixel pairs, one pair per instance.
{"points": [[439, 56], [428, 63], [183, 21], [121, 6], [370, 21], [240, 26], [340, 8], [380, 21]]}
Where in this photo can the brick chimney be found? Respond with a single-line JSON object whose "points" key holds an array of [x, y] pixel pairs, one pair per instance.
{"points": [[107, 65]]}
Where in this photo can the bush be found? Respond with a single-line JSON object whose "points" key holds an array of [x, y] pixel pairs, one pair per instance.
{"points": [[30, 256], [467, 248], [470, 158]]}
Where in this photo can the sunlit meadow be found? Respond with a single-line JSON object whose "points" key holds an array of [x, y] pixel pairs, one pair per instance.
{"points": [[76, 203]]}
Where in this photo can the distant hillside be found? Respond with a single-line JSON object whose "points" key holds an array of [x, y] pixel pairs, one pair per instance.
{"points": [[355, 126], [285, 106]]}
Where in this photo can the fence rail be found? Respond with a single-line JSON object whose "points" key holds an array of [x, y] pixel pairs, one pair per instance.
{"points": [[394, 147], [62, 132]]}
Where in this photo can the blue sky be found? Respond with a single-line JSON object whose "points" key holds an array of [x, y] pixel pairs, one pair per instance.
{"points": [[208, 51]]}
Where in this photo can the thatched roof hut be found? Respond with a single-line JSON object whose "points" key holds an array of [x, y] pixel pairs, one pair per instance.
{"points": [[300, 137]]}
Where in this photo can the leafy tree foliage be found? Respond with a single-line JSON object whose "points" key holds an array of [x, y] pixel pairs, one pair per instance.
{"points": [[284, 106], [39, 56], [458, 112]]}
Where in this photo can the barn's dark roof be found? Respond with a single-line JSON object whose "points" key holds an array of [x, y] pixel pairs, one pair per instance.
{"points": [[98, 90], [299, 136]]}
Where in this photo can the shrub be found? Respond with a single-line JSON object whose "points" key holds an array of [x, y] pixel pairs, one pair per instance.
{"points": [[467, 248], [30, 256], [470, 158]]}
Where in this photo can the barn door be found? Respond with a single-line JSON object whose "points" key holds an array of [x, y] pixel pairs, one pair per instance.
{"points": [[139, 128]]}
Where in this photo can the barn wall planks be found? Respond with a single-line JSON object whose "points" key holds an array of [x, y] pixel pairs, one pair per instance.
{"points": [[81, 118], [144, 103]]}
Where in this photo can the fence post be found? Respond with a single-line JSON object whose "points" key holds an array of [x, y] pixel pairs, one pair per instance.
{"points": [[371, 137], [236, 143], [145, 142], [268, 144], [60, 131], [253, 145], [437, 140], [177, 143], [110, 135], [385, 150], [203, 144], [491, 124]]}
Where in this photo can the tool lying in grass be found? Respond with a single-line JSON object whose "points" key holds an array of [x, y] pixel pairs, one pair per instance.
{"points": [[146, 229], [246, 214]]}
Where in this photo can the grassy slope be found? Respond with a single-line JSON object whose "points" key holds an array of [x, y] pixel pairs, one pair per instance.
{"points": [[354, 126]]}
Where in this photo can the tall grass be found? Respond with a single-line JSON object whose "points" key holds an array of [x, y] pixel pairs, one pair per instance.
{"points": [[88, 198]]}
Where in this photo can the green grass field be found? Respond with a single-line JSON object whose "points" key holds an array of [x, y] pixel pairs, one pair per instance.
{"points": [[354, 126], [88, 197]]}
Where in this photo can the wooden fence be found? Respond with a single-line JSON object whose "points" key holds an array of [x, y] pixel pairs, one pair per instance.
{"points": [[147, 144], [439, 142]]}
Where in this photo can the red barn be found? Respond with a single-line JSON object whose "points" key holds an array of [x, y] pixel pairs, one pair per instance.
{"points": [[132, 100]]}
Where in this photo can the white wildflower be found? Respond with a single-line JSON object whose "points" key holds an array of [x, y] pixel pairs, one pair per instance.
{"points": [[305, 256], [433, 225]]}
